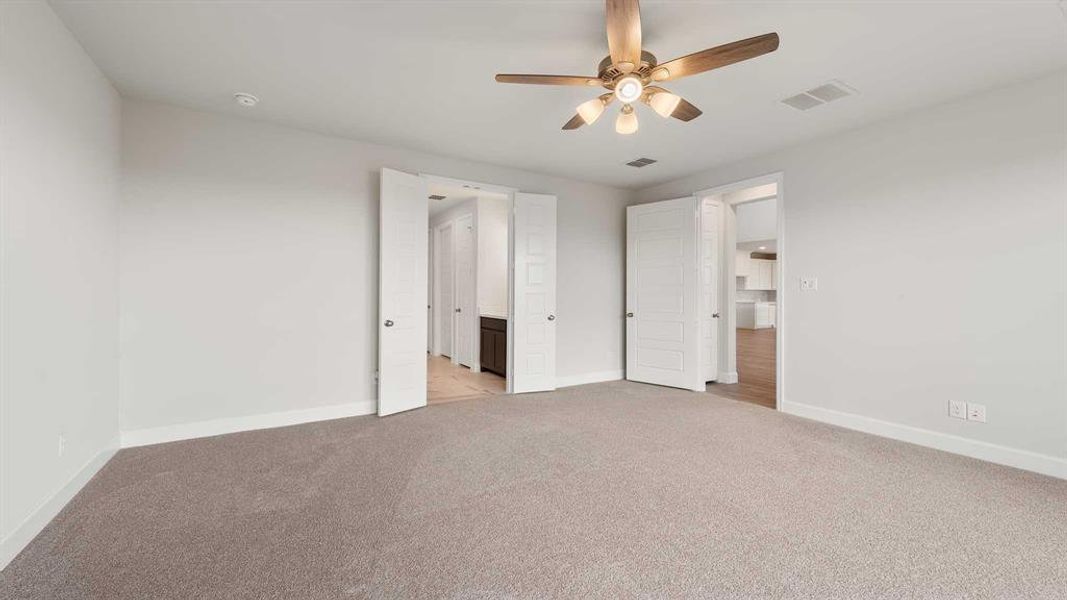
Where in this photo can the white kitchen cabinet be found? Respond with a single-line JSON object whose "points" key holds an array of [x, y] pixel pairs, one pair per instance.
{"points": [[762, 274], [755, 315], [742, 266]]}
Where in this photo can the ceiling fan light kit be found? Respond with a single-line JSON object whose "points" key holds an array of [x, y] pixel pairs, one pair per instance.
{"points": [[628, 72], [626, 123]]}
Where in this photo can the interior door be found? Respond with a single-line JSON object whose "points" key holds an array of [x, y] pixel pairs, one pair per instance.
{"points": [[533, 285], [466, 290], [663, 338], [709, 288], [402, 273], [445, 298]]}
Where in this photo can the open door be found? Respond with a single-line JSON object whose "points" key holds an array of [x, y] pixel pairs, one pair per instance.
{"points": [[709, 287], [663, 303], [402, 274], [466, 308], [533, 286]]}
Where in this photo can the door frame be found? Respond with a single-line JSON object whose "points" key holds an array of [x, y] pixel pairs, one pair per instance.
{"points": [[509, 192], [728, 304]]}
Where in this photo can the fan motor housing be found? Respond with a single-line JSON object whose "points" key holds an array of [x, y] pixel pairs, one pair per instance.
{"points": [[608, 73]]}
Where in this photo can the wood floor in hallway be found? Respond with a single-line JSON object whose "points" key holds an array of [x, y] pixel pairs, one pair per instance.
{"points": [[755, 369], [446, 382]]}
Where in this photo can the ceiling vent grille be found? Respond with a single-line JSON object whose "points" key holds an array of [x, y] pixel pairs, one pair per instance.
{"points": [[436, 197], [817, 96], [641, 162]]}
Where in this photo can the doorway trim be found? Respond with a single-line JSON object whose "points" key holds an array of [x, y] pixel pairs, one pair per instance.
{"points": [[727, 271]]}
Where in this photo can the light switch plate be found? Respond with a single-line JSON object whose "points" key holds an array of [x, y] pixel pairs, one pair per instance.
{"points": [[809, 284], [957, 409], [976, 412]]}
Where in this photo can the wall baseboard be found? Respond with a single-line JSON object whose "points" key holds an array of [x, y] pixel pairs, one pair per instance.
{"points": [[1003, 455], [36, 522], [727, 378], [199, 429], [584, 378]]}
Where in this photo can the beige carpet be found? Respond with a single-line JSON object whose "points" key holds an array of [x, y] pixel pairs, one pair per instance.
{"points": [[609, 490]]}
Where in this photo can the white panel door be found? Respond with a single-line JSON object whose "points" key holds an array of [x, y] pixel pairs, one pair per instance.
{"points": [[709, 288], [445, 298], [466, 290], [663, 340], [532, 362], [402, 273]]}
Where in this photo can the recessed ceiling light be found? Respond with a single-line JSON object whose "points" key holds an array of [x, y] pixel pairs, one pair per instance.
{"points": [[762, 247], [245, 99]]}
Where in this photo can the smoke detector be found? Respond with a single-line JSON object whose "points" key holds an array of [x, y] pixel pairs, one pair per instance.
{"points": [[246, 99]]}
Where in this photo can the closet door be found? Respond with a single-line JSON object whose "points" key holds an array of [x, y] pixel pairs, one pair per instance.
{"points": [[466, 323], [445, 297]]}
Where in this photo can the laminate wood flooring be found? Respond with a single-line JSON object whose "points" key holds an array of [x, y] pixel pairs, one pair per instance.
{"points": [[755, 369], [446, 382]]}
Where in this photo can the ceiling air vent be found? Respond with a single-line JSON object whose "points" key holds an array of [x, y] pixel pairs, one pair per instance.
{"points": [[641, 162], [817, 96], [436, 197]]}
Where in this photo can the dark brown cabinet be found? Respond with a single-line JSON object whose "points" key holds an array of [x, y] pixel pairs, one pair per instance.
{"points": [[494, 347]]}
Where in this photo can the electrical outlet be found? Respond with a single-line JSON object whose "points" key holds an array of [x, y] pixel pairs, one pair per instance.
{"points": [[62, 444], [976, 412], [957, 409], [809, 284]]}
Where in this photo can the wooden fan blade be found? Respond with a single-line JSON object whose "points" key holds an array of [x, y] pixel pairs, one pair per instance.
{"points": [[548, 79], [686, 111], [575, 122], [683, 112], [713, 58], [624, 34]]}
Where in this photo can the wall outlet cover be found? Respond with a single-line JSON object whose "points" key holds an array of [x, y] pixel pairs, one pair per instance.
{"points": [[809, 283], [957, 409], [976, 412]]}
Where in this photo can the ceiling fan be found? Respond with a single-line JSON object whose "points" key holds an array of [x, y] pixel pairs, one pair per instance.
{"points": [[630, 73]]}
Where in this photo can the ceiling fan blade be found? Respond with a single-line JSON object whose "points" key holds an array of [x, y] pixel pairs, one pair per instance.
{"points": [[624, 34], [716, 57], [548, 79], [683, 111], [686, 111], [575, 122]]}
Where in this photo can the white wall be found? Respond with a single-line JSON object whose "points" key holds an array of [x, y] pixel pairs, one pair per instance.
{"points": [[493, 256], [756, 220], [249, 265], [920, 230], [59, 155]]}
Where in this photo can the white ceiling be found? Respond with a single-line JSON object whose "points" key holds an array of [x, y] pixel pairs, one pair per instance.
{"points": [[456, 195], [768, 246], [420, 74]]}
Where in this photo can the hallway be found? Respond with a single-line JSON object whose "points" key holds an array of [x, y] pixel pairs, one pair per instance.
{"points": [[446, 382]]}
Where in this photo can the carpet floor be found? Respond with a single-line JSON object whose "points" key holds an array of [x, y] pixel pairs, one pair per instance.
{"points": [[609, 490]]}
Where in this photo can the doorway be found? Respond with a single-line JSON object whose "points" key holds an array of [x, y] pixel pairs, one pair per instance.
{"points": [[468, 309], [703, 274], [441, 314], [751, 266]]}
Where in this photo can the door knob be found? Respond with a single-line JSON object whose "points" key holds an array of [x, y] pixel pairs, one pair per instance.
{"points": [[388, 323], [551, 317], [629, 315], [715, 316]]}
